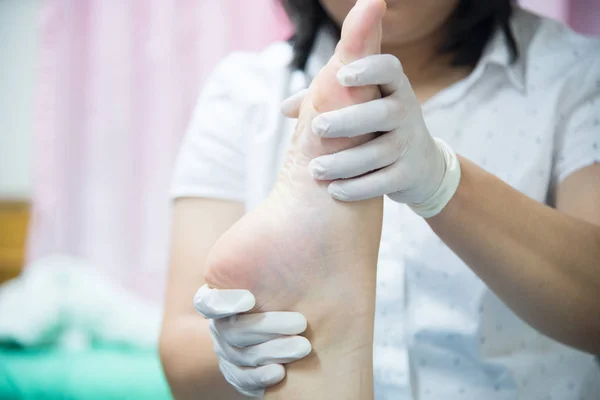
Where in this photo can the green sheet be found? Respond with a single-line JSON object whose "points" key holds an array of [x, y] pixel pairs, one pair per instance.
{"points": [[101, 373]]}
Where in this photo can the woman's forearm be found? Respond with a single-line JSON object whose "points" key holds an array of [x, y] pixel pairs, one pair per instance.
{"points": [[544, 264], [186, 347], [190, 363]]}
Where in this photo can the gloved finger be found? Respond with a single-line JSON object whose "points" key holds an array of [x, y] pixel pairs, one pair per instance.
{"points": [[250, 329], [217, 303], [375, 184], [252, 381], [277, 351], [380, 115], [370, 156], [290, 107], [259, 393], [380, 69]]}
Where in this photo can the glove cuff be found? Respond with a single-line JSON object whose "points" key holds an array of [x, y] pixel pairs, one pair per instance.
{"points": [[440, 198]]}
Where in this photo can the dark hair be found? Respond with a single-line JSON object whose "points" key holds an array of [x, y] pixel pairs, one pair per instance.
{"points": [[470, 27]]}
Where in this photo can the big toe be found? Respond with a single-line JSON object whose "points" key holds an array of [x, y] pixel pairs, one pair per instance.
{"points": [[361, 31]]}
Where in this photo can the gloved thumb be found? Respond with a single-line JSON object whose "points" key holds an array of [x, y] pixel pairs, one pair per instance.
{"points": [[290, 107], [221, 303]]}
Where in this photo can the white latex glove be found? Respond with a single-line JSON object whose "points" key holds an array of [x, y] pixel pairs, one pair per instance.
{"points": [[405, 162], [251, 347]]}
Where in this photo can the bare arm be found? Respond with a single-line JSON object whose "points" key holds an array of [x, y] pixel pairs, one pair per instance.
{"points": [[186, 348], [544, 263]]}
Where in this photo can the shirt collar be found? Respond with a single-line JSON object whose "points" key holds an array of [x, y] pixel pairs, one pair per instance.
{"points": [[497, 53]]}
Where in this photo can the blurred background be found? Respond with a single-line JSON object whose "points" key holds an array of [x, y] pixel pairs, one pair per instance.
{"points": [[95, 96]]}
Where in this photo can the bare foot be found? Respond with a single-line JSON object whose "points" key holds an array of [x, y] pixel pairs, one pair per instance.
{"points": [[301, 250]]}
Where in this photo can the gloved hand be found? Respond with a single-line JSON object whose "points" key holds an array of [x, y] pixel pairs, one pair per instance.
{"points": [[405, 162], [251, 347]]}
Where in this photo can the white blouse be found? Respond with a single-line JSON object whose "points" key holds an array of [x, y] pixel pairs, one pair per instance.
{"points": [[440, 333]]}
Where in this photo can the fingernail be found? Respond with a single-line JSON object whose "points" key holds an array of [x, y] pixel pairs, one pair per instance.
{"points": [[200, 293], [237, 299], [320, 126], [346, 78], [336, 192], [348, 75], [272, 374], [302, 347], [286, 107], [246, 302], [292, 349], [316, 169]]}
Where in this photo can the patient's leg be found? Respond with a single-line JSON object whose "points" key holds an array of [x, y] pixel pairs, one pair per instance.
{"points": [[303, 251]]}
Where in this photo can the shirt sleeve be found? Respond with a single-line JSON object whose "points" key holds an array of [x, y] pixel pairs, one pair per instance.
{"points": [[578, 140], [211, 159]]}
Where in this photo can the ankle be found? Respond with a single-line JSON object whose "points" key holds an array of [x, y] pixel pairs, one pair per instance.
{"points": [[341, 370], [342, 353]]}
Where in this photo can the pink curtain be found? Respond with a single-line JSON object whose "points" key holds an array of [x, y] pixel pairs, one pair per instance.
{"points": [[582, 15], [556, 9], [117, 83]]}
